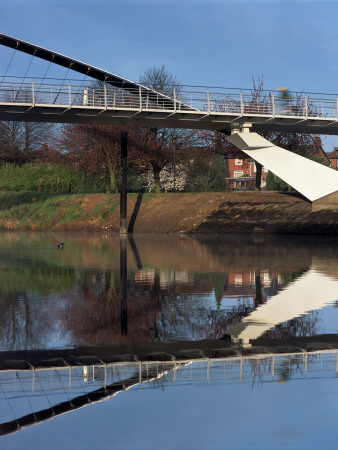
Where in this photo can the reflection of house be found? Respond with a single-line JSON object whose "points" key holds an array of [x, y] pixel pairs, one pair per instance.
{"points": [[145, 276], [166, 277], [169, 277], [243, 283]]}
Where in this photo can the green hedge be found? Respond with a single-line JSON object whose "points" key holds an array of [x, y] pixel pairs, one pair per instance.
{"points": [[41, 177]]}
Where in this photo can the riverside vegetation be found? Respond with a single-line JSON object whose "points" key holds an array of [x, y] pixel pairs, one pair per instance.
{"points": [[207, 213]]}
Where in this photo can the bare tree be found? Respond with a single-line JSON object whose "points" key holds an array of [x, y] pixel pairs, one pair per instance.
{"points": [[164, 146], [21, 142]]}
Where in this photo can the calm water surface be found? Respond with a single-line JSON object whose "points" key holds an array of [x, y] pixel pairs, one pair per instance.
{"points": [[162, 341]]}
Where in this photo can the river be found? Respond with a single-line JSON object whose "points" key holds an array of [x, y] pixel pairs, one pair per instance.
{"points": [[168, 341]]}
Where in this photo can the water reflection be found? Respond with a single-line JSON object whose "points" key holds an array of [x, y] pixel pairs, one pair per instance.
{"points": [[101, 290], [162, 313], [310, 292], [32, 396]]}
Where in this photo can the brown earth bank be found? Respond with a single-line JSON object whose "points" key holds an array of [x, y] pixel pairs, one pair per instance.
{"points": [[205, 213]]}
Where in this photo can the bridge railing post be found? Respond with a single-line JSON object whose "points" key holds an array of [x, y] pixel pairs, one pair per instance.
{"points": [[33, 93], [208, 101], [241, 101], [306, 107], [105, 95], [140, 97], [273, 105], [69, 95]]}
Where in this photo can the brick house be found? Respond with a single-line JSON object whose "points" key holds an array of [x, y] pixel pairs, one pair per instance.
{"points": [[333, 157], [242, 171]]}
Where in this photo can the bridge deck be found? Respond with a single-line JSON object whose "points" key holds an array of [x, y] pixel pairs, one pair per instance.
{"points": [[60, 102]]}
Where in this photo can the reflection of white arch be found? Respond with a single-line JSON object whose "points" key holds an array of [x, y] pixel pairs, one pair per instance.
{"points": [[312, 291], [310, 178]]}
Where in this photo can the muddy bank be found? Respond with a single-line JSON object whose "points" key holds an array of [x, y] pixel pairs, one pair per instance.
{"points": [[209, 213]]}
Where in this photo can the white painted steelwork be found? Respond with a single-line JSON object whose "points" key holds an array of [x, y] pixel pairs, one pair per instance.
{"points": [[136, 105], [308, 177], [41, 100]]}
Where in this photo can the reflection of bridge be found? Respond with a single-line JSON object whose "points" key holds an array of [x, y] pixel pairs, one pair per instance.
{"points": [[118, 101], [33, 395], [312, 291]]}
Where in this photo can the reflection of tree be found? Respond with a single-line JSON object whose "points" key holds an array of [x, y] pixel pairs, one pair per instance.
{"points": [[218, 323], [160, 309], [167, 306], [21, 327], [156, 313], [298, 327], [93, 316]]}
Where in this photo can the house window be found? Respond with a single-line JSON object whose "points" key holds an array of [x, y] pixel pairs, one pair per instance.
{"points": [[238, 162], [238, 173]]}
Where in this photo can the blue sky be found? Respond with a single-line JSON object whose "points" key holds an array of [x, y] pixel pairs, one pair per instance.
{"points": [[203, 42]]}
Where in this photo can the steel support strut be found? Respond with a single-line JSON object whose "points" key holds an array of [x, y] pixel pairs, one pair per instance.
{"points": [[123, 192], [123, 284]]}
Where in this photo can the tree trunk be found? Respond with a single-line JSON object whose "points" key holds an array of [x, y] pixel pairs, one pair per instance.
{"points": [[258, 177], [157, 179], [112, 178]]}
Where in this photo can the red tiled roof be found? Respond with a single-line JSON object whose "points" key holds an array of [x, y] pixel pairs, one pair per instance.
{"points": [[332, 155]]}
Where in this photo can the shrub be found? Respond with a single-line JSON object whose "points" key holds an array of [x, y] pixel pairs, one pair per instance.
{"points": [[41, 177]]}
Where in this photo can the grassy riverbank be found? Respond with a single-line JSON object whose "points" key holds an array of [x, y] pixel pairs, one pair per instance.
{"points": [[211, 213]]}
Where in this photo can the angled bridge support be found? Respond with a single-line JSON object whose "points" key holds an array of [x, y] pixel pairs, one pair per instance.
{"points": [[316, 182]]}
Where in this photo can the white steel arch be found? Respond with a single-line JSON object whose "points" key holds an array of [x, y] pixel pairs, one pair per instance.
{"points": [[308, 177]]}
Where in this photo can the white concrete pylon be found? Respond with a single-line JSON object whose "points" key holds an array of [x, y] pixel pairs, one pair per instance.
{"points": [[308, 177]]}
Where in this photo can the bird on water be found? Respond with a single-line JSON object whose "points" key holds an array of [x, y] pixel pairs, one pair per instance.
{"points": [[61, 245]]}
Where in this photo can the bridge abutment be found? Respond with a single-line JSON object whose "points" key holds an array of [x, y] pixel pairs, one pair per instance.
{"points": [[327, 202]]}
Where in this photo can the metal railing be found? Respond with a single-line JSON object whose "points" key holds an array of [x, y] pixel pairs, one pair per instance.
{"points": [[210, 101]]}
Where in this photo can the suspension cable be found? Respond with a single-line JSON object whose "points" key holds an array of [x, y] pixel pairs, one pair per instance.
{"points": [[8, 65], [63, 81], [24, 77]]}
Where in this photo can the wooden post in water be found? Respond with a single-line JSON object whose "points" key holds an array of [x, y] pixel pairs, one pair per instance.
{"points": [[123, 193]]}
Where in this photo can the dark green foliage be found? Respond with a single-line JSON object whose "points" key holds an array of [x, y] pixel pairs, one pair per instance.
{"points": [[207, 176], [135, 183], [271, 184], [41, 177]]}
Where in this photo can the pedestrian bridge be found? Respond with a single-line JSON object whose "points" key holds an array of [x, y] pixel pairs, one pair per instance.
{"points": [[114, 100], [133, 105]]}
